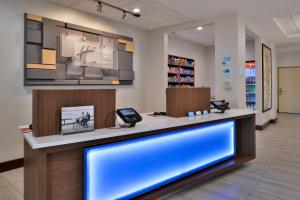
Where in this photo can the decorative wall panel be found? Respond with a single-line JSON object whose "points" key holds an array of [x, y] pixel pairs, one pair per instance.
{"points": [[75, 54], [267, 78]]}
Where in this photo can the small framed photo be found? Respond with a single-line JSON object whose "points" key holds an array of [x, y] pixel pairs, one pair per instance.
{"points": [[77, 119]]}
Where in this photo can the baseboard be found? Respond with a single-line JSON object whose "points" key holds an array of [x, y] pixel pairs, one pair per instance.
{"points": [[12, 164], [274, 121], [265, 125]]}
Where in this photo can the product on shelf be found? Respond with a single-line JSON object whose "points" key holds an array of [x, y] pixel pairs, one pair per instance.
{"points": [[186, 71], [175, 78], [180, 72], [187, 79], [174, 60], [174, 70], [250, 85]]}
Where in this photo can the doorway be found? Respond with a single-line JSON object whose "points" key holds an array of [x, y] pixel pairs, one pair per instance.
{"points": [[289, 89]]}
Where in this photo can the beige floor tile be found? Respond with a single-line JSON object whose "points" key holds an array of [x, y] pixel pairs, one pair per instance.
{"points": [[10, 193], [273, 189], [229, 189], [176, 197], [243, 179], [3, 181], [19, 186], [292, 144], [14, 176], [255, 167], [283, 175], [288, 158], [200, 193]]}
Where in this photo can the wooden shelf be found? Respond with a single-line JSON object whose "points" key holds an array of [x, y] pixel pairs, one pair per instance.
{"points": [[173, 73], [177, 65], [186, 74], [185, 66], [177, 73]]}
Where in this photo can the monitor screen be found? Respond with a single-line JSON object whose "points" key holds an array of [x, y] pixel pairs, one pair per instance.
{"points": [[218, 103], [127, 111]]}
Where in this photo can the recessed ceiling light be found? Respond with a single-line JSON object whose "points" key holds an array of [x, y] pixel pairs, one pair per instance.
{"points": [[136, 10], [199, 28]]}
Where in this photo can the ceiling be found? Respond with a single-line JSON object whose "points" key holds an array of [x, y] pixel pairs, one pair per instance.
{"points": [[290, 25], [160, 13], [205, 37], [154, 15]]}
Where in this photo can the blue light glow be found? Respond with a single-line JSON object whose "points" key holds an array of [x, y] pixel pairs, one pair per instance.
{"points": [[124, 170]]}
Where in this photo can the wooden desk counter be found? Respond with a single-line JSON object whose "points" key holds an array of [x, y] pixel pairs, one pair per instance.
{"points": [[53, 165]]}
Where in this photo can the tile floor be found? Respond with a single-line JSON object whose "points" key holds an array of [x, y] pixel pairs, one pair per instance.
{"points": [[275, 174]]}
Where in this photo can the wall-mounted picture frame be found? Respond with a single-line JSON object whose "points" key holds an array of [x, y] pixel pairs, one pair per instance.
{"points": [[61, 53], [77, 119], [266, 78]]}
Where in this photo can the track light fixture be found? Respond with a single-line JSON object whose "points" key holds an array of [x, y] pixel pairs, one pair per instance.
{"points": [[99, 7], [124, 15], [125, 12]]}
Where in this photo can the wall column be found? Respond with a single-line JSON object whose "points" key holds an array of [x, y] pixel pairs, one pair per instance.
{"points": [[230, 42]]}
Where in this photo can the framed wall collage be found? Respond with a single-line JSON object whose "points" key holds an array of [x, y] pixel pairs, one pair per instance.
{"points": [[266, 78]]}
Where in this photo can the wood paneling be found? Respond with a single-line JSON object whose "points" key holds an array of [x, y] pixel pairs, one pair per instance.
{"points": [[65, 168], [180, 101], [40, 66], [47, 106], [34, 17], [245, 143], [35, 172], [116, 82], [48, 57], [57, 172], [128, 45]]}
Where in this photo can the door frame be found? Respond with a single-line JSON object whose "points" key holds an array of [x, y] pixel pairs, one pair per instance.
{"points": [[278, 68]]}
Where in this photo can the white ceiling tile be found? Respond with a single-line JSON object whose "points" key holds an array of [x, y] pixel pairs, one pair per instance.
{"points": [[119, 2], [284, 20], [289, 28], [91, 7], [204, 37], [145, 7], [156, 17], [64, 2], [138, 22], [298, 25], [296, 18], [87, 6]]}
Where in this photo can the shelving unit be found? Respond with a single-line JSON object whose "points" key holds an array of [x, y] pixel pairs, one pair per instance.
{"points": [[181, 73], [250, 85]]}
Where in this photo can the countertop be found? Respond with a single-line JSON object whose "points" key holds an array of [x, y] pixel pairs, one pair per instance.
{"points": [[149, 123]]}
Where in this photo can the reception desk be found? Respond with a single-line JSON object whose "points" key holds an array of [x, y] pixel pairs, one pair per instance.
{"points": [[160, 156]]}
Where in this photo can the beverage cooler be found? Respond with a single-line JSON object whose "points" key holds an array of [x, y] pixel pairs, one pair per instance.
{"points": [[250, 85]]}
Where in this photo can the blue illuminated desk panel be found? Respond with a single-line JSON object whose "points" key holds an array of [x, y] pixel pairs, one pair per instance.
{"points": [[127, 169]]}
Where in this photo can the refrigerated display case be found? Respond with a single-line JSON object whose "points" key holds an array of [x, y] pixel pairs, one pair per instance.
{"points": [[250, 85]]}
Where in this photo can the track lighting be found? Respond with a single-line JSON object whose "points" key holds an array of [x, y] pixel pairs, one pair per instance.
{"points": [[99, 7], [136, 10], [135, 13], [124, 15]]}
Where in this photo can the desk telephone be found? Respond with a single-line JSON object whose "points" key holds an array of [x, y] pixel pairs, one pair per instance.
{"points": [[220, 105], [129, 116]]}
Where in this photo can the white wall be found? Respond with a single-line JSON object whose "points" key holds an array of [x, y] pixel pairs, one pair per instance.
{"points": [[230, 42], [156, 73], [184, 48], [250, 50], [210, 69], [264, 117], [289, 59], [16, 99]]}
